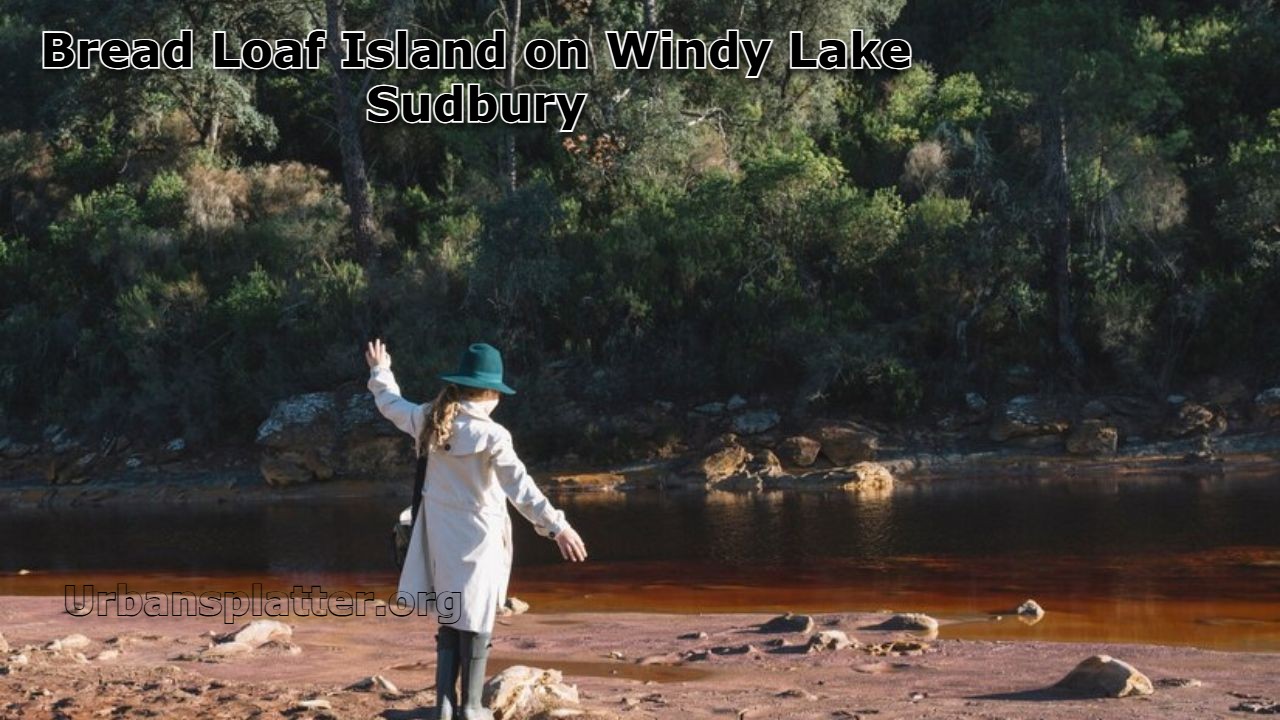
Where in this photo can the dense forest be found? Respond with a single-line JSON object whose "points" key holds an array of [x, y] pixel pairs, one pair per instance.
{"points": [[1078, 195]]}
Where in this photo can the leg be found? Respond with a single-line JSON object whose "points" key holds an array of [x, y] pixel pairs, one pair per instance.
{"points": [[448, 647], [475, 655]]}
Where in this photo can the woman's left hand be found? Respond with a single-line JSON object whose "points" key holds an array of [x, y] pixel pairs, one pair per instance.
{"points": [[571, 546]]}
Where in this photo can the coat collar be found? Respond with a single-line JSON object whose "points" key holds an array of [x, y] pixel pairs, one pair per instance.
{"points": [[474, 409]]}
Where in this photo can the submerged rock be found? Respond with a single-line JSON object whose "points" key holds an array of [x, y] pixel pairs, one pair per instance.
{"points": [[521, 691], [1105, 676], [1030, 608]]}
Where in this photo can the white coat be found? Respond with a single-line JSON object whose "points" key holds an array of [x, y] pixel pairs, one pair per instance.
{"points": [[461, 542]]}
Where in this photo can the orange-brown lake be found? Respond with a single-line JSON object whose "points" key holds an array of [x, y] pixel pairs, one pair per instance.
{"points": [[1138, 559]]}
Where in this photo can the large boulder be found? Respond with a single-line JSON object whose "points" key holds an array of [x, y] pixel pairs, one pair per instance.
{"points": [[1028, 416], [523, 692], [845, 444], [1093, 438], [1105, 676], [1267, 403], [318, 436]]}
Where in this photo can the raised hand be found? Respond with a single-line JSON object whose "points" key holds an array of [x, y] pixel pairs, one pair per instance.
{"points": [[571, 546], [375, 353]]}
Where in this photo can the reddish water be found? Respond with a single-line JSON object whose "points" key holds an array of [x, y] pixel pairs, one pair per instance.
{"points": [[1135, 560]]}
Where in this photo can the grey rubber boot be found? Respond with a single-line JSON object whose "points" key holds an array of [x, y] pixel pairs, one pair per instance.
{"points": [[475, 655], [448, 662]]}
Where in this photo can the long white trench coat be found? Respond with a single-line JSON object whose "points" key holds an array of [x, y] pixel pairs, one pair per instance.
{"points": [[461, 542]]}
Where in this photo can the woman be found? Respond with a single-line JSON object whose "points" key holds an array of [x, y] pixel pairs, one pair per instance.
{"points": [[461, 542]]}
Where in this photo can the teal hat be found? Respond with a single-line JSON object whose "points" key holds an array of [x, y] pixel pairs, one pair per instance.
{"points": [[480, 367]]}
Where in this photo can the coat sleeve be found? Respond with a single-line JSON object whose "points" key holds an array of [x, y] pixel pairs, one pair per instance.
{"points": [[520, 489], [409, 417]]}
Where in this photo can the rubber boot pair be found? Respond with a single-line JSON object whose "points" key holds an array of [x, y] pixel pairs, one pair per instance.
{"points": [[467, 652]]}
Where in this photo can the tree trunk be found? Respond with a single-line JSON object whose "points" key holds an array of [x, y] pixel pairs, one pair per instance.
{"points": [[509, 172], [1055, 134], [650, 14], [355, 178]]}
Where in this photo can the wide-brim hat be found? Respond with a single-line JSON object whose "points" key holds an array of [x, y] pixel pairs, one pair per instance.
{"points": [[480, 367]]}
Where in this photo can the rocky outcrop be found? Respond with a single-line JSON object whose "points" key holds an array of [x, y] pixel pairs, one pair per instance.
{"points": [[1032, 419], [864, 477], [318, 436], [756, 422], [587, 481], [1107, 677], [845, 444], [524, 692], [1093, 438]]}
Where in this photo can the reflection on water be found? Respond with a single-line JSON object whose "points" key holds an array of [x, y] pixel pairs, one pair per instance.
{"points": [[1132, 559]]}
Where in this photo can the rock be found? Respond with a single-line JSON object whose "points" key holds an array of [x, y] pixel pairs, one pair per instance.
{"points": [[1094, 409], [736, 403], [1093, 438], [314, 704], [1027, 416], [175, 446], [107, 655], [133, 463], [300, 438], [723, 463], [915, 622], [797, 693], [514, 606], [522, 692], [375, 683], [16, 450], [587, 481], [799, 450], [829, 640], [754, 423], [1195, 419], [1257, 706], [788, 623], [257, 633], [975, 402], [845, 444], [1104, 676], [1267, 402], [75, 641], [692, 636], [711, 408], [1030, 608], [4, 644], [1175, 399]]}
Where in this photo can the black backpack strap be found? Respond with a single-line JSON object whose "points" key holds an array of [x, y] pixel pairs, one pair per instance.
{"points": [[419, 478]]}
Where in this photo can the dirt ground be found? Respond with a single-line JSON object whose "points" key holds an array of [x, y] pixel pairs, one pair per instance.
{"points": [[155, 671]]}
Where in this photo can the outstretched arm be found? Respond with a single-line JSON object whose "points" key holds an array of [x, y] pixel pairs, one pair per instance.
{"points": [[409, 417], [532, 504]]}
